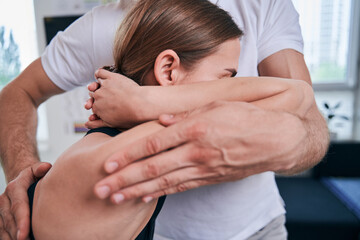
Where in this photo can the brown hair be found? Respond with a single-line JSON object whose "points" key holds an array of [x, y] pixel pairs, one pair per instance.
{"points": [[192, 28]]}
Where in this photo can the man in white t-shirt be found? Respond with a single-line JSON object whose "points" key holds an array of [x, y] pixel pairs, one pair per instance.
{"points": [[232, 209]]}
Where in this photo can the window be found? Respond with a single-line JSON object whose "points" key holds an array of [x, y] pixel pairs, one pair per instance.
{"points": [[331, 31], [327, 28], [18, 45]]}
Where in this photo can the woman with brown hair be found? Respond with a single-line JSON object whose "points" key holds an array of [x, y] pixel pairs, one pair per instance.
{"points": [[160, 42]]}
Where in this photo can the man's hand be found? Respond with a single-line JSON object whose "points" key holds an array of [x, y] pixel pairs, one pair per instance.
{"points": [[14, 203], [115, 101], [203, 147]]}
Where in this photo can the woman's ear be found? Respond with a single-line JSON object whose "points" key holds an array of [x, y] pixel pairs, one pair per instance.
{"points": [[167, 68]]}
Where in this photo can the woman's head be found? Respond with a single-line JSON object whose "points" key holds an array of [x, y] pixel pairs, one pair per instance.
{"points": [[190, 29]]}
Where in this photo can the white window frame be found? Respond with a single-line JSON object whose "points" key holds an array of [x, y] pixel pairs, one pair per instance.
{"points": [[353, 55]]}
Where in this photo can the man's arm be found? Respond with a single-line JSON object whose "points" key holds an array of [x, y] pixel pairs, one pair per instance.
{"points": [[289, 63], [19, 157], [19, 101], [221, 142]]}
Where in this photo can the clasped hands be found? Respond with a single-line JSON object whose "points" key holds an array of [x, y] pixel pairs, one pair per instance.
{"points": [[219, 142]]}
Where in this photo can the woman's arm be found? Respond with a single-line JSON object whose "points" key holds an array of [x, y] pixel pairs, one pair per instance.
{"points": [[115, 100], [293, 96], [65, 206]]}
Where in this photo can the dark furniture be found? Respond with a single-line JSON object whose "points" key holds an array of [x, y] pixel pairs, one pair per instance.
{"points": [[315, 212]]}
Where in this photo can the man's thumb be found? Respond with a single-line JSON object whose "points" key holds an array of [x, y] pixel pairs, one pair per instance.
{"points": [[170, 119], [41, 169]]}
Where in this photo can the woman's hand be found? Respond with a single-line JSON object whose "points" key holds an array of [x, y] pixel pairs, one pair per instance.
{"points": [[14, 203], [115, 100], [203, 147]]}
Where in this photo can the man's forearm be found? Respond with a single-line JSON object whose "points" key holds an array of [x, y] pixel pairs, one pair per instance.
{"points": [[270, 94], [18, 121], [310, 150], [313, 147]]}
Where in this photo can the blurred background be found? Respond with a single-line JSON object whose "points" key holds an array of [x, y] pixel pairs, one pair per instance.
{"points": [[26, 27], [331, 30]]}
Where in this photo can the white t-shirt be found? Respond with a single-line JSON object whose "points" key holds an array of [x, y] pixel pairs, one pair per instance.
{"points": [[233, 210]]}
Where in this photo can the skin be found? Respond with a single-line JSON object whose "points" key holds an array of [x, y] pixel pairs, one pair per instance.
{"points": [[73, 203], [304, 132], [20, 161], [19, 100], [72, 211]]}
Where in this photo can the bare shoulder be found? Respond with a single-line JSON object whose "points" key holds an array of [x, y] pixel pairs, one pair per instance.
{"points": [[65, 196]]}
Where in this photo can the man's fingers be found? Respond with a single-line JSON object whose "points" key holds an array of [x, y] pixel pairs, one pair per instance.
{"points": [[169, 119], [161, 183], [4, 235], [145, 147], [14, 203], [16, 191], [10, 223], [146, 170], [22, 219], [182, 187], [20, 208], [41, 169], [7, 224]]}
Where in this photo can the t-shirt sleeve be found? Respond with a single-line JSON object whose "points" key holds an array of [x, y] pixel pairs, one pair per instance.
{"points": [[280, 29], [68, 59], [73, 55]]}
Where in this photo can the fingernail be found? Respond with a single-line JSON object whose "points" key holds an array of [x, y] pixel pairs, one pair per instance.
{"points": [[147, 199], [111, 166], [103, 191], [118, 198], [18, 234]]}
